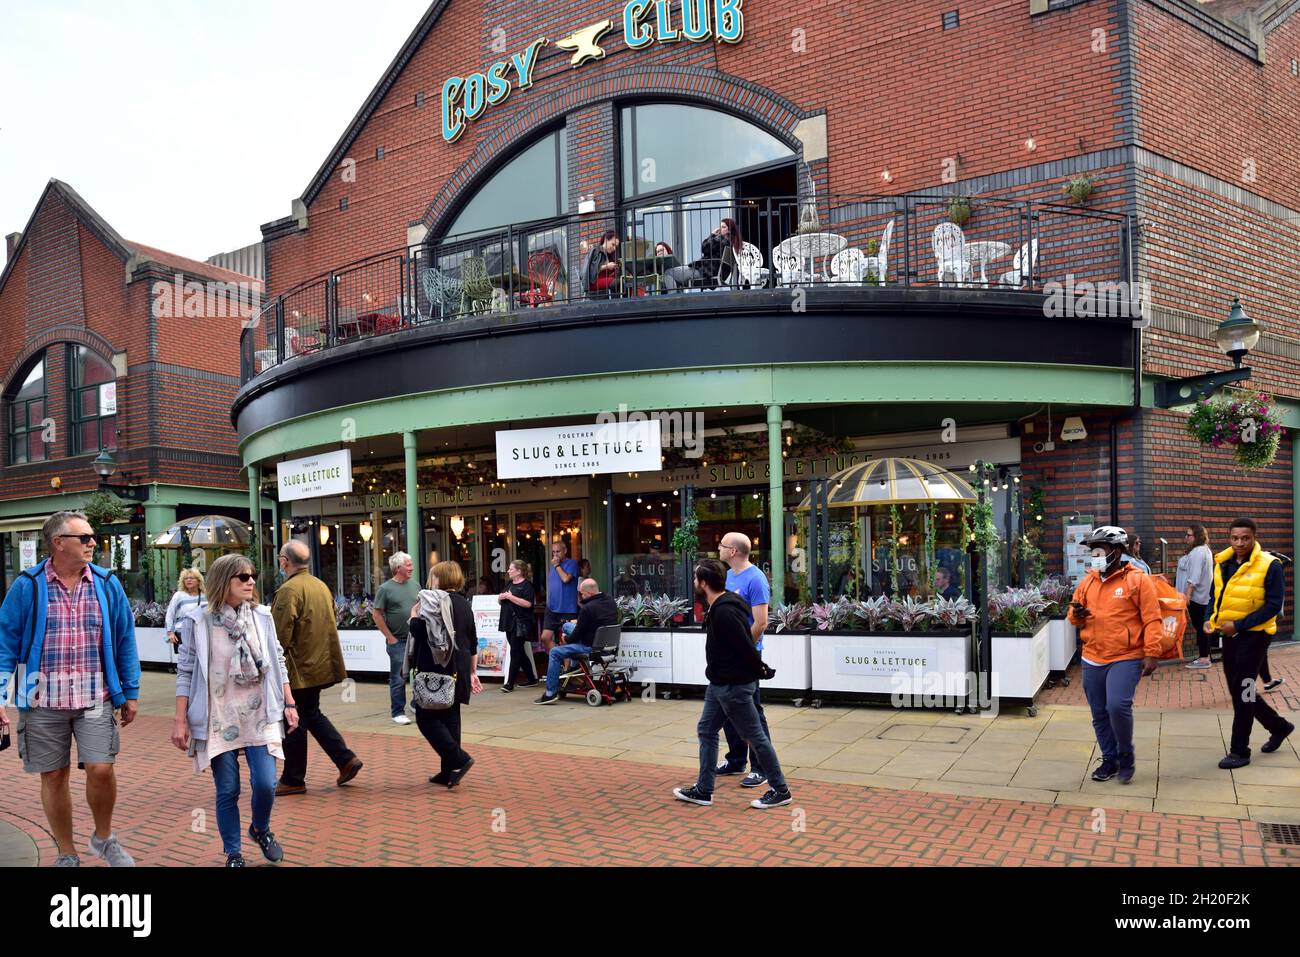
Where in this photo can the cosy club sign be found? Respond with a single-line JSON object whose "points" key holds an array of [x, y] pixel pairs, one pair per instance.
{"points": [[645, 22]]}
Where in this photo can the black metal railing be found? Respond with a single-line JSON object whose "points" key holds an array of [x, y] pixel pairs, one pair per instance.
{"points": [[861, 242]]}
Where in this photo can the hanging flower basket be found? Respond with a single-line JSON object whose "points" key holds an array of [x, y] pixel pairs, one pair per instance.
{"points": [[1246, 423]]}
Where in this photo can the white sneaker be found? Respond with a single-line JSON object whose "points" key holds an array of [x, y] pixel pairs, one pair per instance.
{"points": [[401, 719]]}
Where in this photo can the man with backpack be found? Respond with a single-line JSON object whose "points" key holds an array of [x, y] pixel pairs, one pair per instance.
{"points": [[67, 641], [1118, 614]]}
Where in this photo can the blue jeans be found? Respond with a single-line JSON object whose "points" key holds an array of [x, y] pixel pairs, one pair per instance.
{"points": [[736, 748], [396, 686], [558, 654], [1109, 690], [734, 703], [261, 777]]}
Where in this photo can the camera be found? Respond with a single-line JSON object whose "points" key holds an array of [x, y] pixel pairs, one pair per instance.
{"points": [[1041, 447]]}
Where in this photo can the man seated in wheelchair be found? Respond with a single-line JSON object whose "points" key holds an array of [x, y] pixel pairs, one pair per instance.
{"points": [[595, 609]]}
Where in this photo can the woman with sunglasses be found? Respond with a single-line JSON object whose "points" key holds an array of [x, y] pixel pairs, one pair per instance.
{"points": [[232, 692]]}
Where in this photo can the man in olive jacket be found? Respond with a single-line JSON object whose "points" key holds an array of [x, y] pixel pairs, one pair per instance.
{"points": [[304, 622]]}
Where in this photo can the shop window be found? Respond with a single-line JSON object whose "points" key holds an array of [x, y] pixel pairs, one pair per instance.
{"points": [[92, 386], [669, 144], [644, 563], [27, 411]]}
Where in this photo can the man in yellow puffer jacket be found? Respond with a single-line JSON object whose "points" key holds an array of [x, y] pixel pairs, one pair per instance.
{"points": [[1249, 589]]}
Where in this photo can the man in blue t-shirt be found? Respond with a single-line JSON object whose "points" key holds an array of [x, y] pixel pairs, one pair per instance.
{"points": [[749, 582], [561, 593]]}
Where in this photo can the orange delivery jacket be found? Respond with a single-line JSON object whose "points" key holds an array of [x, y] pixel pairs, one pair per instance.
{"points": [[1126, 620]]}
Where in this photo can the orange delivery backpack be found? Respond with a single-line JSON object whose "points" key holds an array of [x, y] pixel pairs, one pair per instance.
{"points": [[1173, 609]]}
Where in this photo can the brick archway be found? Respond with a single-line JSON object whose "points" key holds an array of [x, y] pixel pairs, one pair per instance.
{"points": [[692, 85], [77, 335]]}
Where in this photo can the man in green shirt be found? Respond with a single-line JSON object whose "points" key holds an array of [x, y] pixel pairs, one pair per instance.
{"points": [[393, 603]]}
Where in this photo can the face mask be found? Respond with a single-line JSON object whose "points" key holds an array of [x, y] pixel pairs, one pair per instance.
{"points": [[1098, 562]]}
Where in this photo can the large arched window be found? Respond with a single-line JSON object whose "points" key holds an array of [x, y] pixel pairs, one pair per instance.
{"points": [[92, 387], [665, 145], [533, 185], [26, 415]]}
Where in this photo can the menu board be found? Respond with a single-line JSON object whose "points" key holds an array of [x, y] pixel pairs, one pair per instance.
{"points": [[493, 649], [1076, 553]]}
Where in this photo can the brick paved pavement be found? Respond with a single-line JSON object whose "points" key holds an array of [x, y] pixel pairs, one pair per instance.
{"points": [[573, 809]]}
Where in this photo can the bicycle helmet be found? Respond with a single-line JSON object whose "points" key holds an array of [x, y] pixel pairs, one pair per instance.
{"points": [[1106, 535]]}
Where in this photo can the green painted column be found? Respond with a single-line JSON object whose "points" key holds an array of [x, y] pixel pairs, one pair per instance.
{"points": [[414, 528], [255, 512], [776, 504], [158, 516], [597, 547], [1295, 517]]}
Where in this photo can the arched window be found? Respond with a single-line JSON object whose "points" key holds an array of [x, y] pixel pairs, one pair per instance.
{"points": [[665, 145], [533, 185], [92, 386], [26, 415]]}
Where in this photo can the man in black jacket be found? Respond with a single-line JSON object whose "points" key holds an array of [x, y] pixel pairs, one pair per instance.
{"points": [[596, 610], [734, 668]]}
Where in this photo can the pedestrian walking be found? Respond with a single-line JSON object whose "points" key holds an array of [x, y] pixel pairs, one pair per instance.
{"points": [[308, 632], [1118, 615], [232, 693], [392, 613], [442, 638], [188, 596], [1249, 589], [1194, 581], [67, 640], [748, 581], [733, 668], [517, 624]]}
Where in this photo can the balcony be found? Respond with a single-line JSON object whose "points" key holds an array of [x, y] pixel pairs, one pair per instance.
{"points": [[847, 254]]}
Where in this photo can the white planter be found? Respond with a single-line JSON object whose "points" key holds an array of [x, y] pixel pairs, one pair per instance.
{"points": [[152, 645], [650, 653], [688, 659], [920, 664], [1062, 639], [364, 652], [791, 656], [1020, 663]]}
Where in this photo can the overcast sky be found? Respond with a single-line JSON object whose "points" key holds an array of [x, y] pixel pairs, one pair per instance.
{"points": [[185, 123]]}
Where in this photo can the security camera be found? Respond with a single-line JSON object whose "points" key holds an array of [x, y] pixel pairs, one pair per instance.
{"points": [[1041, 447]]}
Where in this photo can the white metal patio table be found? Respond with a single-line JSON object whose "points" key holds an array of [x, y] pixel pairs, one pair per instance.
{"points": [[809, 247], [984, 252]]}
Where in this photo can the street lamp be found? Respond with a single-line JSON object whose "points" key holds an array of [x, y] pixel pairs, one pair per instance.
{"points": [[105, 467], [1236, 336]]}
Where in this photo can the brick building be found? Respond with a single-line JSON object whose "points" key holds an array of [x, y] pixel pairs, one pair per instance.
{"points": [[870, 122], [107, 344]]}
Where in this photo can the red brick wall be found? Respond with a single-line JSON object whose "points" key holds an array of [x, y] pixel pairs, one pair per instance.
{"points": [[898, 91]]}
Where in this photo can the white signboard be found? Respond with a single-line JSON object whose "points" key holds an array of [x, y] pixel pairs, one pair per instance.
{"points": [[914, 656], [26, 555], [579, 450], [493, 649], [108, 398], [651, 653], [364, 651], [315, 477]]}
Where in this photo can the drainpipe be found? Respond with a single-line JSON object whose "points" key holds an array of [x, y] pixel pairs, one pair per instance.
{"points": [[414, 529], [776, 504], [255, 513]]}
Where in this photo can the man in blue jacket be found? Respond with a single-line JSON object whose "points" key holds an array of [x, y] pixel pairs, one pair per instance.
{"points": [[67, 645]]}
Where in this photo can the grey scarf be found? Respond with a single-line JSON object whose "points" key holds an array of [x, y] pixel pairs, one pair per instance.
{"points": [[247, 666]]}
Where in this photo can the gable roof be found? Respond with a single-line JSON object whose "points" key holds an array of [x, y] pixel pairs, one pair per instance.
{"points": [[135, 254], [390, 75]]}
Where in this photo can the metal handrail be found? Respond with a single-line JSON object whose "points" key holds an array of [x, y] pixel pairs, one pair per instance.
{"points": [[311, 316]]}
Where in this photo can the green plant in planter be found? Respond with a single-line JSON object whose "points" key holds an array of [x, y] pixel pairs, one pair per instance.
{"points": [[878, 614], [953, 613], [1017, 610], [636, 611], [1080, 188], [959, 210], [913, 615], [790, 618], [664, 609], [834, 615]]}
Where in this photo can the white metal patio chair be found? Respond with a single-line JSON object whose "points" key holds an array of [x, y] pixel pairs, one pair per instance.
{"points": [[752, 272], [849, 266], [789, 268], [1022, 267], [950, 252], [879, 263]]}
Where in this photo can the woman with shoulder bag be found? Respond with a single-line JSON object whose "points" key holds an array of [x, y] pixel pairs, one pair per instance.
{"points": [[518, 625], [443, 643]]}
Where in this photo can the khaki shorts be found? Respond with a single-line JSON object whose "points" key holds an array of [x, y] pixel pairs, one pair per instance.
{"points": [[45, 737]]}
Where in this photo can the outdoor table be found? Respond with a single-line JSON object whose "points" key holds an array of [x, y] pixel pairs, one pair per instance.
{"points": [[265, 358], [983, 253], [812, 246]]}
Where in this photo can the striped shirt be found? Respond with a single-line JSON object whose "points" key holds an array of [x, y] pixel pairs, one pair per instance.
{"points": [[71, 660]]}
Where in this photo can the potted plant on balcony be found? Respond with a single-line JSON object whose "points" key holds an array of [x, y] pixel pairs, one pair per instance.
{"points": [[959, 210], [1080, 188]]}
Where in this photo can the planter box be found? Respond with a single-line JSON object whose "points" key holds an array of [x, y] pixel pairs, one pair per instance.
{"points": [[789, 654], [1020, 663], [152, 645], [650, 652], [1062, 641], [917, 663], [364, 652]]}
